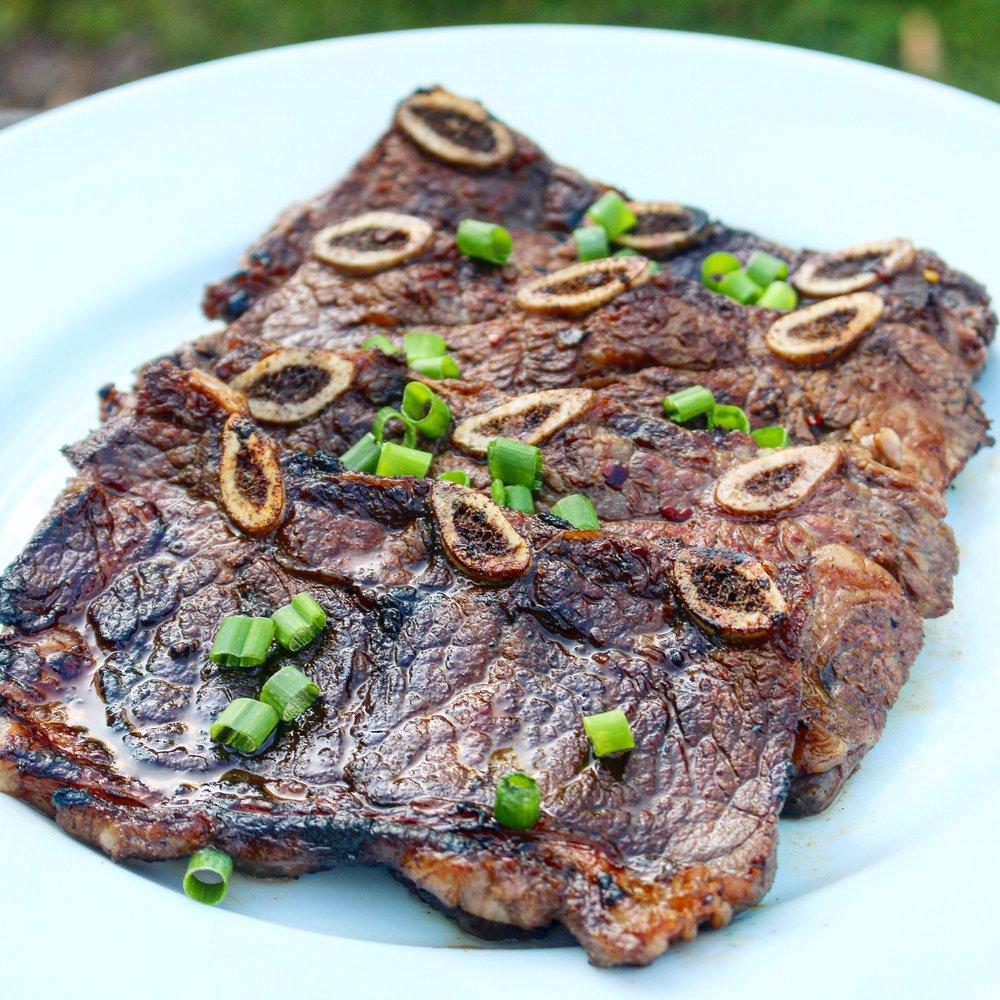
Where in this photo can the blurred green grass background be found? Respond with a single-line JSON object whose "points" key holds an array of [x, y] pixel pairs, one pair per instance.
{"points": [[56, 50]]}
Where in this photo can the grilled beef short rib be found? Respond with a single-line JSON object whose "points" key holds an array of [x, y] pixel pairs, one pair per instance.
{"points": [[451, 660], [831, 536], [899, 395], [435, 686], [669, 334], [902, 376]]}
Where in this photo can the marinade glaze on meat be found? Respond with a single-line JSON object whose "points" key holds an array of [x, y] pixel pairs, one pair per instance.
{"points": [[434, 687], [437, 682]]}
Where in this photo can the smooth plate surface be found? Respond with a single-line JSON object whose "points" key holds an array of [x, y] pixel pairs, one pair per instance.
{"points": [[117, 209]]}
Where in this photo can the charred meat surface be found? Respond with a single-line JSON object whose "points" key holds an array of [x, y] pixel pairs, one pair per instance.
{"points": [[649, 341], [632, 465], [435, 686], [927, 293], [884, 521]]}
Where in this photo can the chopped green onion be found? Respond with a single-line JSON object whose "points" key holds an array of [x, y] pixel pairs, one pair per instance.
{"points": [[654, 267], [779, 295], [289, 692], [612, 214], [484, 240], [380, 342], [499, 492], [688, 403], [514, 463], [763, 268], [518, 802], [459, 476], [716, 266], [423, 344], [242, 641], [740, 286], [307, 606], [442, 367], [520, 498], [207, 877], [244, 724], [609, 732], [729, 418], [397, 460], [298, 623], [591, 242], [428, 411], [384, 419], [771, 437], [578, 510], [363, 455]]}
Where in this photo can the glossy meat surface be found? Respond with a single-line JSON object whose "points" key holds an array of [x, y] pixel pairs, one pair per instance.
{"points": [[434, 687]]}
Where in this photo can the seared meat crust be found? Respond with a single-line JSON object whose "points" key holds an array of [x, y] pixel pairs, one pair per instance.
{"points": [[635, 466], [881, 520], [434, 687], [667, 335]]}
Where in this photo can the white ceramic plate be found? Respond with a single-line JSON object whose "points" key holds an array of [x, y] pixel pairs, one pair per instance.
{"points": [[117, 209]]}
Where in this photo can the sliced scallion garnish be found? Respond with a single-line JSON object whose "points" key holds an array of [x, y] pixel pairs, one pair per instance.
{"points": [[729, 418], [289, 692], [207, 877], [484, 241], [517, 803], [439, 368], [386, 419], [763, 268], [423, 344], [515, 463], [298, 623], [740, 286], [244, 724], [242, 641], [499, 492], [591, 242], [520, 498], [459, 476], [578, 510], [716, 266], [771, 437], [380, 342], [779, 295], [397, 460], [688, 403], [363, 455], [609, 732], [612, 214], [429, 413]]}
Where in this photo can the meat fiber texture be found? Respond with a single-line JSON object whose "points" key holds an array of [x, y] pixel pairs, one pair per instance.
{"points": [[867, 532], [434, 687], [912, 372]]}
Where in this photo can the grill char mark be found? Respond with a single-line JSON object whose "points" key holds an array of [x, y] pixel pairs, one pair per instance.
{"points": [[433, 687]]}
